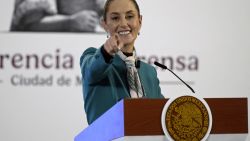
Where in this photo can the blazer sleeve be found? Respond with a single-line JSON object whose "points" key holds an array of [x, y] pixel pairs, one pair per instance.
{"points": [[93, 65]]}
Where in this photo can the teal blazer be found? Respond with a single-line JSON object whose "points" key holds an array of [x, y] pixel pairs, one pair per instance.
{"points": [[104, 84]]}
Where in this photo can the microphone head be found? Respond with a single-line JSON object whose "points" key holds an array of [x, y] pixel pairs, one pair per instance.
{"points": [[160, 65], [137, 63]]}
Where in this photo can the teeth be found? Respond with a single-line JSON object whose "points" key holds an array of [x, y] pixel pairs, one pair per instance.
{"points": [[124, 32]]}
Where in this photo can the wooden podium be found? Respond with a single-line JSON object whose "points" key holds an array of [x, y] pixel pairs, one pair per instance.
{"points": [[142, 117]]}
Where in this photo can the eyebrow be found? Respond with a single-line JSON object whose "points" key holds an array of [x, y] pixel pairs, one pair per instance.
{"points": [[117, 13], [130, 11]]}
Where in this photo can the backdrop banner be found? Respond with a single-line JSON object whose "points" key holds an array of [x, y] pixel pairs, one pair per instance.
{"points": [[205, 42]]}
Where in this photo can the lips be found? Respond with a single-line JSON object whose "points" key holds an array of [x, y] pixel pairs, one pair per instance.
{"points": [[124, 32]]}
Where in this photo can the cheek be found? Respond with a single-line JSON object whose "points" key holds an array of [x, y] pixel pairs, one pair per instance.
{"points": [[136, 27], [112, 27]]}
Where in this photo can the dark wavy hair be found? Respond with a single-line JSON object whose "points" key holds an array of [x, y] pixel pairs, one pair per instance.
{"points": [[107, 4]]}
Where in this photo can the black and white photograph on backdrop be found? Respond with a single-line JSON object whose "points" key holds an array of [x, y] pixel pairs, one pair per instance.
{"points": [[57, 16]]}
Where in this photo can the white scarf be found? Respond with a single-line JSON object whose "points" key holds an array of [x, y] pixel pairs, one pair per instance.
{"points": [[132, 75]]}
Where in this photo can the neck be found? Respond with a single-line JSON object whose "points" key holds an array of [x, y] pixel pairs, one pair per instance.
{"points": [[128, 48], [127, 54]]}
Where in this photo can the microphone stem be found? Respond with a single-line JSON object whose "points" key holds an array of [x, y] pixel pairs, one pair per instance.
{"points": [[165, 67], [181, 80]]}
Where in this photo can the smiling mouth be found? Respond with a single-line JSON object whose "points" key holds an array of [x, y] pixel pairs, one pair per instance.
{"points": [[123, 32]]}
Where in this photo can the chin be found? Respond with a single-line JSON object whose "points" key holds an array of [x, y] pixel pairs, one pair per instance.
{"points": [[128, 40]]}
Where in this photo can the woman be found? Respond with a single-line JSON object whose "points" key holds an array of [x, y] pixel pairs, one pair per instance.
{"points": [[112, 73]]}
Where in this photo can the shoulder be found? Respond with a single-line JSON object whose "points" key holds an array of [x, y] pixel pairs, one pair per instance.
{"points": [[147, 66], [147, 69], [87, 52]]}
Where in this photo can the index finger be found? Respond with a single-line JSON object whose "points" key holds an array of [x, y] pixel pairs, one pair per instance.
{"points": [[118, 41]]}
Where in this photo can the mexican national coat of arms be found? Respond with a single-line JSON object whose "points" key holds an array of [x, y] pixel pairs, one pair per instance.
{"points": [[186, 118]]}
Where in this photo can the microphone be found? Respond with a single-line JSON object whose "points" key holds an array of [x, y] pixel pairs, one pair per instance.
{"points": [[137, 63], [166, 68]]}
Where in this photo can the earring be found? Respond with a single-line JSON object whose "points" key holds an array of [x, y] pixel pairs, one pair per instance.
{"points": [[139, 33], [108, 35]]}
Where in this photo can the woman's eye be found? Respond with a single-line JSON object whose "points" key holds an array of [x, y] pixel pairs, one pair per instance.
{"points": [[130, 16], [114, 18]]}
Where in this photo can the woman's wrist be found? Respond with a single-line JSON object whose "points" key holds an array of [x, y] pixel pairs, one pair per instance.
{"points": [[107, 57]]}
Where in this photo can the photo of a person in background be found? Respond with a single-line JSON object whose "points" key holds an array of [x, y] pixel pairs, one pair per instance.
{"points": [[57, 15]]}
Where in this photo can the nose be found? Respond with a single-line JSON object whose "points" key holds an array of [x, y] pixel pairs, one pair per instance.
{"points": [[123, 22]]}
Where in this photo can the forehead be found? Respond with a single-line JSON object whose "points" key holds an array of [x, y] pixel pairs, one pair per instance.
{"points": [[121, 6]]}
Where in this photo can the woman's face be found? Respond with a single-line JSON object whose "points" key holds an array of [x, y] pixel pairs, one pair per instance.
{"points": [[122, 19]]}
